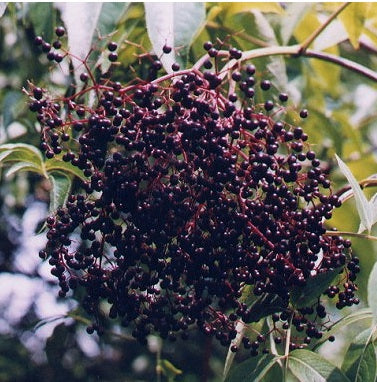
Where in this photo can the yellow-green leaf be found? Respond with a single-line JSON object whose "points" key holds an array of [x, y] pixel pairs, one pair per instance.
{"points": [[234, 8], [353, 19]]}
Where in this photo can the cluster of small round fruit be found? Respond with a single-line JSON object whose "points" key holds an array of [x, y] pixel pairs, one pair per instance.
{"points": [[194, 190]]}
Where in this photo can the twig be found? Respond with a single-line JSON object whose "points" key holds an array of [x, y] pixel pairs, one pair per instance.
{"points": [[317, 32], [352, 234]]}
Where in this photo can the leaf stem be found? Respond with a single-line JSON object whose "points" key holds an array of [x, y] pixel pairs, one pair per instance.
{"points": [[352, 234], [307, 42]]}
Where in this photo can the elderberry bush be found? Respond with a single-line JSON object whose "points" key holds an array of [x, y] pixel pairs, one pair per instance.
{"points": [[196, 192]]}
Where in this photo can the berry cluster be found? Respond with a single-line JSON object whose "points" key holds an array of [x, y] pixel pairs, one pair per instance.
{"points": [[194, 191]]}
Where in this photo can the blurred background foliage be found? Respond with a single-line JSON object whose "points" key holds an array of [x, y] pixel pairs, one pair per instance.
{"points": [[342, 119]]}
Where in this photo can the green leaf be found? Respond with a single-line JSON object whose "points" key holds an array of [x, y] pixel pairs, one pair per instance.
{"points": [[362, 204], [372, 295], [354, 318], [173, 24], [359, 362], [22, 166], [315, 286], [307, 366], [293, 14], [20, 152], [56, 164], [55, 345], [240, 7], [61, 185], [353, 19], [10, 106], [109, 17], [255, 369], [42, 18], [265, 305]]}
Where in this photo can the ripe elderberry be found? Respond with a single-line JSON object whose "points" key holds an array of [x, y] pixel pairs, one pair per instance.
{"points": [[193, 193]]}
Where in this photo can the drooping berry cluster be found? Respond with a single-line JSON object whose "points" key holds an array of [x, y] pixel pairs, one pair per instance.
{"points": [[194, 191]]}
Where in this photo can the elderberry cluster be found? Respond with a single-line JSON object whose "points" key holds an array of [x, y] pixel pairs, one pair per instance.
{"points": [[194, 191]]}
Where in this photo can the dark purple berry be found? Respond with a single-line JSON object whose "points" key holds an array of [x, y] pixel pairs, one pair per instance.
{"points": [[112, 46], [113, 57], [59, 31]]}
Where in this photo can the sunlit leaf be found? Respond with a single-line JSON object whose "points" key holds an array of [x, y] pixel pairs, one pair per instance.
{"points": [[239, 7], [175, 25], [22, 166], [293, 14], [359, 363], [306, 366], [353, 19], [21, 152], [362, 203]]}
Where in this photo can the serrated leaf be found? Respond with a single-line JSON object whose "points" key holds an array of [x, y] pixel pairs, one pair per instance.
{"points": [[61, 186], [307, 366], [23, 166], [372, 295], [359, 362], [315, 286], [362, 203], [353, 19], [80, 20], [253, 369], [173, 24], [56, 164]]}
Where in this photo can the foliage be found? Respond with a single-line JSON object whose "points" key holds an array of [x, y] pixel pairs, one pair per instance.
{"points": [[322, 54]]}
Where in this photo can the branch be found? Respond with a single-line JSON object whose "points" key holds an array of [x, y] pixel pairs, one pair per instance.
{"points": [[345, 63], [294, 51], [352, 234]]}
